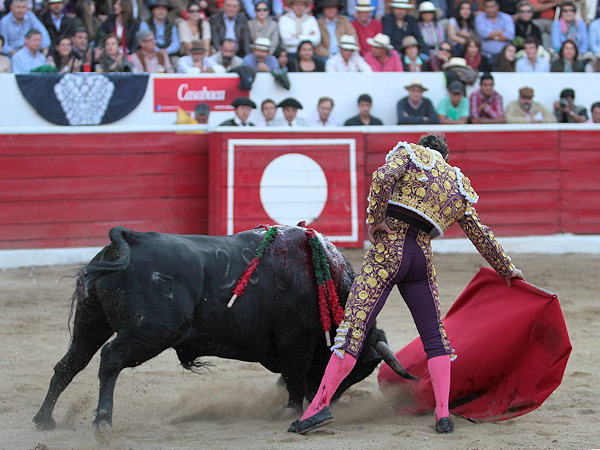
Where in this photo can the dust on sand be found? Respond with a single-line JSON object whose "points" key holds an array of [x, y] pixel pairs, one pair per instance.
{"points": [[237, 405]]}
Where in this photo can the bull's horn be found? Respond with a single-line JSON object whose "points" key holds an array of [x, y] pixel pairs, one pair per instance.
{"points": [[388, 356]]}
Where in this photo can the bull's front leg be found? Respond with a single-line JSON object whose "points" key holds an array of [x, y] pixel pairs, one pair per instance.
{"points": [[295, 388]]}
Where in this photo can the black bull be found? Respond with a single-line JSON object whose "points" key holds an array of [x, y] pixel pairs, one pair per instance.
{"points": [[159, 291]]}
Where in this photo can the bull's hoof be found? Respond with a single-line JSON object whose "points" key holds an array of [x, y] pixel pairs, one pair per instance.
{"points": [[44, 422], [103, 432], [444, 425]]}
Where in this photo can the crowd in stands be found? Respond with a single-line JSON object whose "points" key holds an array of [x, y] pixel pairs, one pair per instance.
{"points": [[460, 37]]}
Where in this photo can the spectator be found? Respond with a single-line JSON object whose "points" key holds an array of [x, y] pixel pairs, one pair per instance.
{"points": [[253, 13], [268, 108], [5, 66], [383, 57], [569, 27], [347, 59], [112, 59], [461, 26], [29, 57], [398, 24], [525, 110], [531, 62], [56, 22], [543, 13], [524, 26], [415, 109], [290, 107], [260, 59], [81, 48], [495, 28], [322, 117], [473, 56], [441, 56], [123, 25], [566, 111], [61, 56], [568, 59], [282, 58], [365, 25], [305, 60], [506, 60], [364, 117], [231, 24], [376, 10], [147, 59], [486, 103], [201, 113], [411, 60], [197, 62], [595, 109], [85, 11], [16, 24], [431, 30], [164, 29], [243, 107], [454, 109], [298, 25], [194, 28], [264, 26], [332, 27], [594, 37], [226, 56]]}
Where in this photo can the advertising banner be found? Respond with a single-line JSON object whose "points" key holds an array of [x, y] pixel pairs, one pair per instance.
{"points": [[186, 93]]}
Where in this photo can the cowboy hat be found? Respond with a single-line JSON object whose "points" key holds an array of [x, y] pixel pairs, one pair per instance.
{"points": [[380, 40], [401, 4], [428, 6], [409, 41], [331, 4], [415, 83], [364, 6], [156, 3], [455, 62], [348, 42], [261, 43]]}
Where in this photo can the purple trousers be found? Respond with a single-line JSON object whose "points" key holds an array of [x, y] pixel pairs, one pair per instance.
{"points": [[405, 260]]}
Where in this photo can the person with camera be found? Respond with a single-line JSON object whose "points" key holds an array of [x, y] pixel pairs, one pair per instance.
{"points": [[566, 111]]}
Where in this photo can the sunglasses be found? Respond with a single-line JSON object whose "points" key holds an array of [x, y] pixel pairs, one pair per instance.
{"points": [[262, 9], [194, 10], [526, 11], [443, 49], [568, 10]]}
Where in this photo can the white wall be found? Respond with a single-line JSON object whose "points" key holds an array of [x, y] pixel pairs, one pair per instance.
{"points": [[385, 88]]}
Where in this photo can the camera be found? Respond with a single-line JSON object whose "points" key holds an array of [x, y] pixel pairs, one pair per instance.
{"points": [[564, 103]]}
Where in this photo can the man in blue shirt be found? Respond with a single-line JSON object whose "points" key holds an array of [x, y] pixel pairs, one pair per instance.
{"points": [[15, 25], [260, 59], [495, 28], [29, 57], [163, 28]]}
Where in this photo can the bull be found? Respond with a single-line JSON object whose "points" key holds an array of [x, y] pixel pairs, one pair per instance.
{"points": [[158, 291]]}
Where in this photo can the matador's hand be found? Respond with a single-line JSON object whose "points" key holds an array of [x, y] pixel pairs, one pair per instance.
{"points": [[382, 227], [516, 273]]}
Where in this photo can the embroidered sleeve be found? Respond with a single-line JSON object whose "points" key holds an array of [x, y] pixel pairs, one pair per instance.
{"points": [[486, 244], [383, 182]]}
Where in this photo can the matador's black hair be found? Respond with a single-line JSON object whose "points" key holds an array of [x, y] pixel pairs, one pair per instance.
{"points": [[435, 141]]}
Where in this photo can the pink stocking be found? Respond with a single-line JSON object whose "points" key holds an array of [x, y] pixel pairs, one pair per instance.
{"points": [[336, 371], [439, 372]]}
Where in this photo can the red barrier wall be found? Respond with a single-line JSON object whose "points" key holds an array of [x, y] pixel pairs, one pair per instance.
{"points": [[68, 190]]}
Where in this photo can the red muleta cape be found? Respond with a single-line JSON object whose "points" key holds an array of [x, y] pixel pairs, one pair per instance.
{"points": [[512, 346]]}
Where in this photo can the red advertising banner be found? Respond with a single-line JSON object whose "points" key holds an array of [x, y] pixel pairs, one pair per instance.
{"points": [[186, 93]]}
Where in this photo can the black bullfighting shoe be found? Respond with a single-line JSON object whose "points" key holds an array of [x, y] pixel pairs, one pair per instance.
{"points": [[320, 419], [444, 425]]}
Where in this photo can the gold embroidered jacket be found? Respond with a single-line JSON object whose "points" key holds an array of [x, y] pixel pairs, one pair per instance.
{"points": [[418, 179]]}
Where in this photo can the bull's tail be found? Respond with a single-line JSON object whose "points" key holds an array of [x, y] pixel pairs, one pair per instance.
{"points": [[99, 266]]}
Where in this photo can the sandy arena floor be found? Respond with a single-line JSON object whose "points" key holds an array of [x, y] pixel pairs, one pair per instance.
{"points": [[236, 405]]}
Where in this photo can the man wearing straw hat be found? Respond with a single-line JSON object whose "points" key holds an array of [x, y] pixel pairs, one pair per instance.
{"points": [[332, 26], [365, 24], [348, 58], [382, 57], [377, 8], [398, 24], [260, 59], [415, 109]]}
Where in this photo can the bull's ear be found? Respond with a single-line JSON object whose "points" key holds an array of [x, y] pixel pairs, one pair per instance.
{"points": [[302, 224]]}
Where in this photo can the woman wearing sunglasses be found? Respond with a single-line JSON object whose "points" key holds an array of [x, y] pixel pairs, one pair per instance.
{"points": [[264, 26], [194, 28]]}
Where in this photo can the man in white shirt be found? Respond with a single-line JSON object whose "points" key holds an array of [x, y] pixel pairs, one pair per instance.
{"points": [[348, 59], [290, 107], [532, 62], [298, 25], [323, 117], [196, 62]]}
